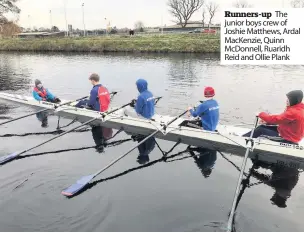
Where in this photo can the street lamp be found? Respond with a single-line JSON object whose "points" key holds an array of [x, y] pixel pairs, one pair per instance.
{"points": [[30, 25], [65, 16], [84, 30], [51, 20], [106, 25]]}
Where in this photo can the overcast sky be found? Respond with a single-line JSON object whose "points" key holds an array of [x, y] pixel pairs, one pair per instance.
{"points": [[121, 13]]}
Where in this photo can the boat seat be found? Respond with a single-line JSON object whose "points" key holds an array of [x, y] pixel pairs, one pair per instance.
{"points": [[196, 124], [278, 139]]}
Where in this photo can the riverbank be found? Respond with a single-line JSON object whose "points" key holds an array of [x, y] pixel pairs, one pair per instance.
{"points": [[180, 43]]}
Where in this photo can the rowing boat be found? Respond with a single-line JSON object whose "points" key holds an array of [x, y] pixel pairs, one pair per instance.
{"points": [[227, 139]]}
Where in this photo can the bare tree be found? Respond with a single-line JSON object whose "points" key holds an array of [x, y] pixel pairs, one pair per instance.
{"points": [[297, 3], [212, 8], [8, 6], [182, 10], [242, 4], [139, 26]]}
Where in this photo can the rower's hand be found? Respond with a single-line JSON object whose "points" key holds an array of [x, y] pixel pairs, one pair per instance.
{"points": [[189, 113], [133, 102], [57, 100]]}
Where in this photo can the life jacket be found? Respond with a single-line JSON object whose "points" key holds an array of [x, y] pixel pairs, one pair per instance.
{"points": [[103, 98], [42, 94]]}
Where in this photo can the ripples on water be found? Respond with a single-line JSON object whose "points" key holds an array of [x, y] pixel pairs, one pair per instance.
{"points": [[142, 192]]}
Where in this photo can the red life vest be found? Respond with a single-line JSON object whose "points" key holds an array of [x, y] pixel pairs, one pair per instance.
{"points": [[42, 94], [103, 98]]}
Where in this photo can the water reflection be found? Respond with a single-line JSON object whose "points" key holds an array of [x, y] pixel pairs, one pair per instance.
{"points": [[13, 76], [43, 118], [282, 180], [100, 136], [182, 76], [145, 148], [4, 109], [205, 160]]}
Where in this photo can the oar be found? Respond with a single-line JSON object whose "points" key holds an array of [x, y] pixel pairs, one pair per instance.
{"points": [[237, 190], [40, 111], [84, 181], [10, 157]]}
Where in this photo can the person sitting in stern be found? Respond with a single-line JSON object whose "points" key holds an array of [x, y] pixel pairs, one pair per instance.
{"points": [[42, 94], [207, 111], [99, 99], [289, 125]]}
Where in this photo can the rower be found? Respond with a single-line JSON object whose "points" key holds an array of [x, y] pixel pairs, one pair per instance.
{"points": [[42, 94], [207, 111], [99, 97], [145, 104], [288, 127]]}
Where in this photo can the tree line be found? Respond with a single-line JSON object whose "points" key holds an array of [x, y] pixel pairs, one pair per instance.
{"points": [[181, 10]]}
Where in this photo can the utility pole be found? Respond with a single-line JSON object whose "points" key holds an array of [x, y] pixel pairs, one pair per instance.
{"points": [[84, 30], [65, 16], [29, 20], [162, 27], [106, 24], [51, 23]]}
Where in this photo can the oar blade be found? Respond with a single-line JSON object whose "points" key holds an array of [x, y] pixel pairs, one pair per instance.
{"points": [[8, 158], [75, 188]]}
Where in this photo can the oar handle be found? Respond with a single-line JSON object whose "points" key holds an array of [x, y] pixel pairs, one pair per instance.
{"points": [[174, 119], [57, 106], [115, 110]]}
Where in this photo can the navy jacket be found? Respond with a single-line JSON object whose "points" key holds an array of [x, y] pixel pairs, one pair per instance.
{"points": [[209, 114], [95, 102], [145, 101]]}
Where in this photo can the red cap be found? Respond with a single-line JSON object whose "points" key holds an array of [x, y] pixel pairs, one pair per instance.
{"points": [[209, 92]]}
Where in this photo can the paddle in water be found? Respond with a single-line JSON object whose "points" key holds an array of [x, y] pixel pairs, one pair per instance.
{"points": [[40, 111], [84, 181], [237, 190], [11, 157]]}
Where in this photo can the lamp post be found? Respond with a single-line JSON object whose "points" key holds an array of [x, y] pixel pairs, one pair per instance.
{"points": [[162, 27], [30, 25], [51, 24], [65, 16], [84, 30], [106, 25]]}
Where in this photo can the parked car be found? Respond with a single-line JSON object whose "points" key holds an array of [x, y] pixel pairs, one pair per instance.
{"points": [[211, 31], [197, 30]]}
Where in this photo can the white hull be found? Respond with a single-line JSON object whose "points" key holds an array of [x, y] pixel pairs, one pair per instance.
{"points": [[228, 138]]}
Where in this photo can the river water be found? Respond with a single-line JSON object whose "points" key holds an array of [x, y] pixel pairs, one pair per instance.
{"points": [[178, 195]]}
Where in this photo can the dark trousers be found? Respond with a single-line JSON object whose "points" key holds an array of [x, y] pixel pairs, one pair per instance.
{"points": [[264, 130], [82, 103]]}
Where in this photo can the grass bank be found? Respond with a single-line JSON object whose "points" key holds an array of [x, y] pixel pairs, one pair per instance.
{"points": [[180, 43]]}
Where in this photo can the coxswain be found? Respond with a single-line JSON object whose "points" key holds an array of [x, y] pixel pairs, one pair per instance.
{"points": [[207, 111], [144, 105], [289, 125], [99, 99], [42, 94]]}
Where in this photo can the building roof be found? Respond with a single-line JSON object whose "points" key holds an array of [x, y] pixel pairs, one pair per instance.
{"points": [[198, 25], [37, 33]]}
